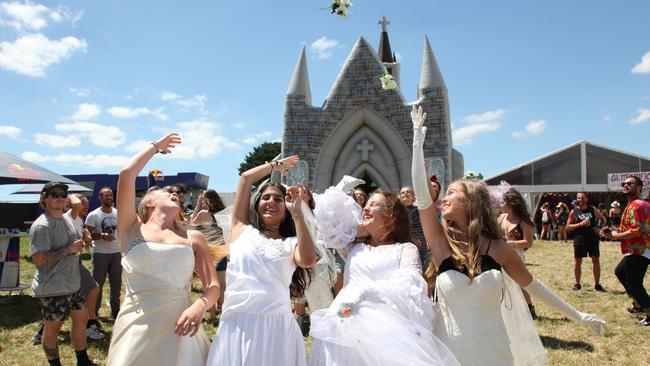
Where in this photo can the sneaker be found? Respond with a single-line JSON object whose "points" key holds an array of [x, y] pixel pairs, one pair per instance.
{"points": [[644, 322], [577, 286], [94, 333], [37, 338], [599, 288]]}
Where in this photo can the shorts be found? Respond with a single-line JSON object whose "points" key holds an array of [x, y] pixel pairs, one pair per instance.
{"points": [[222, 265], [58, 308], [87, 281], [586, 248]]}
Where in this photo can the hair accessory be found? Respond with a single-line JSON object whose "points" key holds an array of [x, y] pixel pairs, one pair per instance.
{"points": [[497, 193]]}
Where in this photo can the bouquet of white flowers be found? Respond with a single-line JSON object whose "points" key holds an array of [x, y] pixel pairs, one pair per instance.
{"points": [[387, 81], [340, 7]]}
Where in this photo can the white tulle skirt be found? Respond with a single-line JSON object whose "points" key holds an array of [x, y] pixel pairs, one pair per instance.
{"points": [[256, 340]]}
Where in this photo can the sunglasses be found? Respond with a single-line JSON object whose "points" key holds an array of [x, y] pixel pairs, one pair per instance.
{"points": [[58, 195], [627, 184]]}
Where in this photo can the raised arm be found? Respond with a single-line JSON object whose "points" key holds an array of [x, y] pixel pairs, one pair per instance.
{"points": [[128, 218], [431, 226], [240, 215], [305, 253], [75, 205]]}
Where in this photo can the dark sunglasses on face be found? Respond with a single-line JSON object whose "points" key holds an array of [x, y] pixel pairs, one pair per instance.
{"points": [[58, 195], [627, 184]]}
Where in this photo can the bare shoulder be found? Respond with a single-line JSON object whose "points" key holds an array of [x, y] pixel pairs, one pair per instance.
{"points": [[500, 250]]}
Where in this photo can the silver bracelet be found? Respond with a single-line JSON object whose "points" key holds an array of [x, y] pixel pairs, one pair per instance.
{"points": [[158, 149]]}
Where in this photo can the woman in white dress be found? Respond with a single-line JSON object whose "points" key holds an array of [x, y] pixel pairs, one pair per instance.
{"points": [[382, 316], [480, 313], [158, 324], [270, 240]]}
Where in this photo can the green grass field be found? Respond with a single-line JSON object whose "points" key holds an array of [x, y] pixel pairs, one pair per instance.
{"points": [[567, 343]]}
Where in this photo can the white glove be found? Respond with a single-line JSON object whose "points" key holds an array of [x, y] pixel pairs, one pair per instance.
{"points": [[418, 171], [542, 292], [348, 182]]}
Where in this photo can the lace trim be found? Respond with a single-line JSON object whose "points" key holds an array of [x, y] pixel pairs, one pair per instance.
{"points": [[270, 249]]}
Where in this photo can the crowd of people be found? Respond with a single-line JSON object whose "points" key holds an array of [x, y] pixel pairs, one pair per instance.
{"points": [[442, 273]]}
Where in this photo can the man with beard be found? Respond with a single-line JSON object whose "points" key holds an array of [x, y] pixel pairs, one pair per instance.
{"points": [[634, 233], [583, 222], [102, 224]]}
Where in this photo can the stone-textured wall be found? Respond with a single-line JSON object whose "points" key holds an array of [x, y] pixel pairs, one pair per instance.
{"points": [[358, 86]]}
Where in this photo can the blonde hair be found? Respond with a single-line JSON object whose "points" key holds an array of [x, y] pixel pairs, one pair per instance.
{"points": [[481, 217]]}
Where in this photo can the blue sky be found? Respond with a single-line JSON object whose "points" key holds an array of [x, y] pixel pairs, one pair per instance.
{"points": [[83, 85]]}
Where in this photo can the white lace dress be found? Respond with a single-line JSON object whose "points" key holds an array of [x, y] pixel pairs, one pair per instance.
{"points": [[158, 278], [382, 315], [257, 326]]}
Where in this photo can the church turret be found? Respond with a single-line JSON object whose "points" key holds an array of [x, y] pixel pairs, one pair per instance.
{"points": [[299, 85], [430, 75], [386, 55]]}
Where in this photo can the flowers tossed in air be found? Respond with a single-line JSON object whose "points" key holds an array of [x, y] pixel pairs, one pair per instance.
{"points": [[340, 7], [387, 81], [470, 175]]}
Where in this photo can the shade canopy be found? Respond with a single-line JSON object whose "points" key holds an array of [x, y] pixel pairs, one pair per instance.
{"points": [[15, 170], [38, 187]]}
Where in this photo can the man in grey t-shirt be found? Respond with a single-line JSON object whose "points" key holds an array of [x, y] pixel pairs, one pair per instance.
{"points": [[53, 248]]}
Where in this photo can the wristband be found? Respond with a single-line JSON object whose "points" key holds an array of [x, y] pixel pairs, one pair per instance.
{"points": [[158, 148]]}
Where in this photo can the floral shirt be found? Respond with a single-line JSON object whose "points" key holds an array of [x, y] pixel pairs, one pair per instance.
{"points": [[636, 218]]}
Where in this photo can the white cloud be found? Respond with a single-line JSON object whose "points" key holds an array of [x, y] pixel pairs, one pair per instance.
{"points": [[86, 111], [10, 131], [32, 54], [253, 139], [80, 92], [533, 128], [200, 138], [465, 135], [643, 67], [238, 125], [130, 113], [607, 118], [57, 141], [27, 16], [489, 116], [137, 146], [89, 160], [642, 117], [98, 135], [322, 47], [196, 101]]}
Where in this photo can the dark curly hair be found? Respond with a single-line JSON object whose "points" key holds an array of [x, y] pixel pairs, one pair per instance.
{"points": [[515, 201]]}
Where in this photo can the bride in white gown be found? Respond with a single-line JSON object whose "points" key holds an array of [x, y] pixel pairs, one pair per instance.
{"points": [[382, 316], [481, 314], [270, 240], [158, 324]]}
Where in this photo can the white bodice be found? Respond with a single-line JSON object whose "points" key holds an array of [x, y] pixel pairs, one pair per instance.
{"points": [[468, 317], [171, 264], [365, 263], [259, 274]]}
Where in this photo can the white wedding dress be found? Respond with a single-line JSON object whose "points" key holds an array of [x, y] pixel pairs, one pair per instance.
{"points": [[158, 277], [382, 316], [257, 326]]}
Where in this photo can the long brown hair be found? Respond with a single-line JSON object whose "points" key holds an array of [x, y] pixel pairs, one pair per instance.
{"points": [[481, 221], [515, 201], [398, 221], [301, 276]]}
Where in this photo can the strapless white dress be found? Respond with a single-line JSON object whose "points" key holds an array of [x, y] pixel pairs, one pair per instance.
{"points": [[257, 326], [158, 277], [485, 322]]}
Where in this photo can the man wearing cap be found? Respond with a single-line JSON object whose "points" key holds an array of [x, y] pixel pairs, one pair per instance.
{"points": [[583, 222], [102, 224], [634, 234], [53, 249]]}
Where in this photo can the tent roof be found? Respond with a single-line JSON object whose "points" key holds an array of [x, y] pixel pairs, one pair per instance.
{"points": [[579, 166]]}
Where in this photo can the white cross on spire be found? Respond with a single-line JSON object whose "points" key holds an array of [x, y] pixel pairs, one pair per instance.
{"points": [[384, 23]]}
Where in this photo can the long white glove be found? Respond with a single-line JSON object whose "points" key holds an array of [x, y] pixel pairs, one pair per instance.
{"points": [[542, 292], [348, 182], [418, 171]]}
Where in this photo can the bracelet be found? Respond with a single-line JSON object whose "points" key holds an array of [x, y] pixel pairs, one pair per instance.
{"points": [[158, 149]]}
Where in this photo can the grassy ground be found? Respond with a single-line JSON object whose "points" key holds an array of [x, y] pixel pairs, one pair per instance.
{"points": [[566, 342]]}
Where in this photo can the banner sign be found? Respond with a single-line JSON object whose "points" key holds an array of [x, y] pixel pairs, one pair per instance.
{"points": [[614, 180]]}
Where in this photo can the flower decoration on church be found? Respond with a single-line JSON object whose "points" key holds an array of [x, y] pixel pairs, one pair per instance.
{"points": [[387, 81], [340, 7], [470, 175]]}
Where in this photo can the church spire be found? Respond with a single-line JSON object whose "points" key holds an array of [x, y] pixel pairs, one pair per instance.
{"points": [[385, 53], [299, 85], [430, 76]]}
